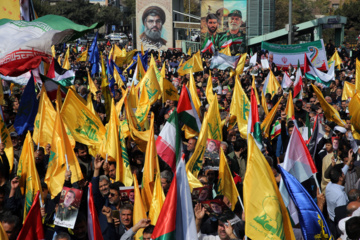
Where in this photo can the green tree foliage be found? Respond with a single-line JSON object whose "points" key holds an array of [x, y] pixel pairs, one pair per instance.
{"points": [[80, 11], [302, 11], [350, 9]]}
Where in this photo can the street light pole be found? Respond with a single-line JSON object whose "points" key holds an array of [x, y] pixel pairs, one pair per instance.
{"points": [[290, 22]]}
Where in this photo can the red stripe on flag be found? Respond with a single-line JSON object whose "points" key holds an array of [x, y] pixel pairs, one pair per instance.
{"points": [[166, 152], [184, 101]]}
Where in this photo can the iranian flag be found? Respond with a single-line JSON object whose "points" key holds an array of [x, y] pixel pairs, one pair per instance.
{"points": [[60, 75], [276, 130], [298, 84], [186, 110], [231, 42], [254, 121], [24, 45], [208, 46], [168, 144]]}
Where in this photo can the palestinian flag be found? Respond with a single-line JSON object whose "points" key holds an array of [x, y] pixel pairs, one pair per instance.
{"points": [[298, 84], [315, 74], [60, 75], [51, 87], [208, 46], [168, 144], [254, 121], [276, 130], [231, 42], [186, 110], [306, 132]]}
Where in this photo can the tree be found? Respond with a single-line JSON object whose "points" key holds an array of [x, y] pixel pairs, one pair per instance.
{"points": [[302, 11], [131, 7], [350, 9]]}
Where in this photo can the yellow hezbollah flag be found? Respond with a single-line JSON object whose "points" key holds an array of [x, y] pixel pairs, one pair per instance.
{"points": [[92, 86], [264, 104], [140, 137], [272, 85], [189, 52], [44, 121], [62, 156], [193, 93], [354, 107], [226, 51], [266, 124], [169, 92], [357, 76], [194, 64], [66, 63], [209, 89], [214, 121], [85, 127], [139, 210], [348, 91], [194, 165], [125, 161], [83, 56], [290, 110], [240, 106], [29, 180], [150, 83], [142, 50], [240, 66], [157, 200], [143, 108], [193, 181], [118, 79], [151, 168], [105, 90], [90, 106], [226, 184], [120, 103], [6, 140], [331, 113], [335, 57], [266, 215], [140, 70]]}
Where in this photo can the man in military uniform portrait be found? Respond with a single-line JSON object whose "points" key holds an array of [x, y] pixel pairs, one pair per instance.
{"points": [[235, 33], [65, 211], [153, 19]]}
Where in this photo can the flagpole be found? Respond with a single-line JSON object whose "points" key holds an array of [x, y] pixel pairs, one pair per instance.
{"points": [[316, 182], [106, 159], [241, 203], [67, 163]]}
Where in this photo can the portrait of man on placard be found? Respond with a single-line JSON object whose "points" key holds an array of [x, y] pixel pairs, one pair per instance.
{"points": [[153, 19], [68, 209]]}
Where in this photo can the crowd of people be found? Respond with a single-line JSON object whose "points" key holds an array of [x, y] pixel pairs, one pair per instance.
{"points": [[337, 165]]}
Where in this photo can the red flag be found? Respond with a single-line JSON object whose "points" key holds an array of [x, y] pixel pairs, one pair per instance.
{"points": [[94, 230], [33, 228], [165, 227], [307, 64]]}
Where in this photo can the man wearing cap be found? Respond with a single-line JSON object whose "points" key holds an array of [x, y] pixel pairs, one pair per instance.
{"points": [[153, 19], [235, 32]]}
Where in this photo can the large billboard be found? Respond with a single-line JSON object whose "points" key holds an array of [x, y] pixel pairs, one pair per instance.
{"points": [[224, 22], [154, 24]]}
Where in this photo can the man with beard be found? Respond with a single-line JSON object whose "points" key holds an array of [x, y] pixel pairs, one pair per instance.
{"points": [[212, 24], [234, 33], [153, 19]]}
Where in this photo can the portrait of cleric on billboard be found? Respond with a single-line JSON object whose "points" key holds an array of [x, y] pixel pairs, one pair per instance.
{"points": [[224, 22], [155, 24]]}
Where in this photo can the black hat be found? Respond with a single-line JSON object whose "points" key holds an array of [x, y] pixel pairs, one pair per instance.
{"points": [[154, 10]]}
